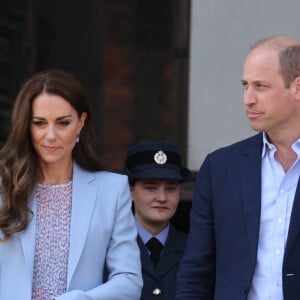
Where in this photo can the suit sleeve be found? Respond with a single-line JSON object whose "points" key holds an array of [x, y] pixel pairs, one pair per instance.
{"points": [[122, 259], [196, 277]]}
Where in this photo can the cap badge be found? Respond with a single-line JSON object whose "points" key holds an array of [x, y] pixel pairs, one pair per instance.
{"points": [[160, 157]]}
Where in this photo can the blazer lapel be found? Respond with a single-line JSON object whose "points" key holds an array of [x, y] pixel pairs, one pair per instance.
{"points": [[294, 227], [147, 264], [171, 253], [83, 200], [251, 191], [28, 239]]}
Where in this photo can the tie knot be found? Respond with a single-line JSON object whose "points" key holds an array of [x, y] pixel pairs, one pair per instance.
{"points": [[155, 247]]}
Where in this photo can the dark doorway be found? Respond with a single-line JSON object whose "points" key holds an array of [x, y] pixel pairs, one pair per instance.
{"points": [[131, 56]]}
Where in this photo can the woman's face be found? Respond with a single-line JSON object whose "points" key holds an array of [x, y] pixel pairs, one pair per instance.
{"points": [[54, 127], [155, 202]]}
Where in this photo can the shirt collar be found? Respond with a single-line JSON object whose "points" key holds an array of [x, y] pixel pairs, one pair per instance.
{"points": [[267, 146], [145, 235]]}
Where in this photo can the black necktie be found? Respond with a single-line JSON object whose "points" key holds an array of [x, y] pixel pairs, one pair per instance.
{"points": [[155, 247]]}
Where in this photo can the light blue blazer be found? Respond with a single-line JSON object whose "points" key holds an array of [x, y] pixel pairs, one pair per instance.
{"points": [[103, 233]]}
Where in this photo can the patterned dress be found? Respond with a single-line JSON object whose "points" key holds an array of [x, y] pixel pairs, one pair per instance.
{"points": [[53, 218]]}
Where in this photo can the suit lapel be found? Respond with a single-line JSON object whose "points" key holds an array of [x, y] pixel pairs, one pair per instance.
{"points": [[251, 191], [171, 254], [294, 227], [28, 239], [83, 200], [147, 264]]}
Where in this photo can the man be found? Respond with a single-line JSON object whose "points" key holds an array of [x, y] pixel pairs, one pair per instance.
{"points": [[244, 239], [155, 173]]}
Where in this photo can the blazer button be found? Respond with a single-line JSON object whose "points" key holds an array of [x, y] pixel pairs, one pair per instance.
{"points": [[156, 292]]}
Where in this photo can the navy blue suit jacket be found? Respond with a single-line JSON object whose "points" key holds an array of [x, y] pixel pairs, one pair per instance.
{"points": [[222, 245], [163, 276]]}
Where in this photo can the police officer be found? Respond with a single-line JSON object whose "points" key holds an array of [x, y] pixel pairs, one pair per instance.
{"points": [[155, 174]]}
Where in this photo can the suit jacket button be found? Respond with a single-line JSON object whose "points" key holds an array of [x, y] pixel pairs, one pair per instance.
{"points": [[156, 292]]}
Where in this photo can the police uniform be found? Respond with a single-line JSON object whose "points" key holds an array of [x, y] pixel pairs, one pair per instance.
{"points": [[158, 160], [160, 280]]}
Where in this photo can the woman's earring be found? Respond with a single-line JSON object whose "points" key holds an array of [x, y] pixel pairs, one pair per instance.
{"points": [[77, 138]]}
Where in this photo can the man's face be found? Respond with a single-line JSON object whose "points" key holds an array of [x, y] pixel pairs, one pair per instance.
{"points": [[268, 103], [155, 201]]}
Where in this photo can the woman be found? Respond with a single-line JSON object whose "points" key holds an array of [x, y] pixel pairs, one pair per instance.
{"points": [[66, 227], [155, 174]]}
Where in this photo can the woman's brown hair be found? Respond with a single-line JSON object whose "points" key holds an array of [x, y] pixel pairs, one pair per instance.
{"points": [[18, 159]]}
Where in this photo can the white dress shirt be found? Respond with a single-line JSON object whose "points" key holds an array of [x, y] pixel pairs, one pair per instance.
{"points": [[277, 198]]}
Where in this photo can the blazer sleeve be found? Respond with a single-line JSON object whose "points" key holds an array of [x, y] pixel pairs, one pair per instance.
{"points": [[196, 275], [124, 279]]}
